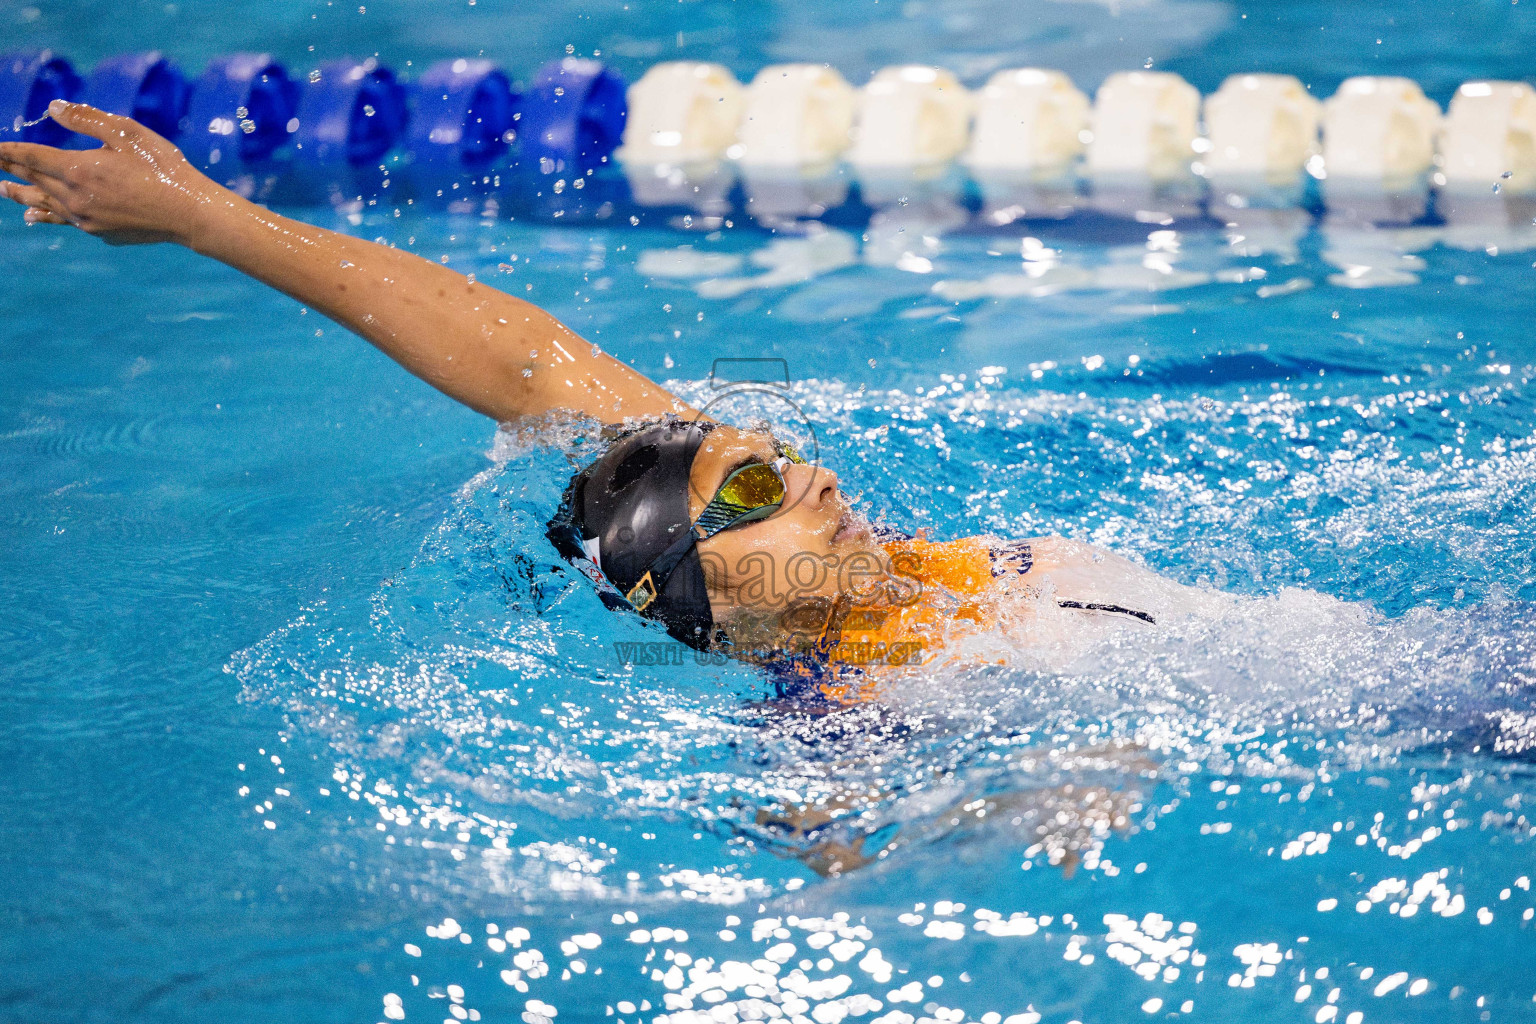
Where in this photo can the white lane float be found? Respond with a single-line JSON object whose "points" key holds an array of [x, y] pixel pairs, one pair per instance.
{"points": [[681, 112], [797, 122], [1261, 128], [1026, 144], [1144, 125], [1489, 139], [1030, 125], [1379, 129], [910, 117], [1487, 173], [795, 116], [682, 118]]}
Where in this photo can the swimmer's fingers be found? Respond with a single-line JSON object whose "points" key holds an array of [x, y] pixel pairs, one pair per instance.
{"points": [[31, 161], [116, 131], [36, 215], [39, 208], [136, 188], [25, 195]]}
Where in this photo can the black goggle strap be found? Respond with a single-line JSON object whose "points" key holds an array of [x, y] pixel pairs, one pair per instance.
{"points": [[722, 515], [645, 592]]}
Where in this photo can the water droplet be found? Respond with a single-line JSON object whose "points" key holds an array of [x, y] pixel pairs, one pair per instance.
{"points": [[570, 48], [242, 112], [635, 221], [248, 126], [527, 370], [559, 90], [1148, 64], [1507, 175], [314, 76], [1497, 188], [596, 351], [533, 353], [368, 110]]}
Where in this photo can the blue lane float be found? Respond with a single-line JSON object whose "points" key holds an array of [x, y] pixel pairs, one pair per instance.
{"points": [[242, 109], [464, 115], [572, 117], [28, 83], [352, 113], [144, 86]]}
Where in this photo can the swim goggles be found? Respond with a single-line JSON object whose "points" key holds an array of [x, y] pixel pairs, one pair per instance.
{"points": [[751, 492]]}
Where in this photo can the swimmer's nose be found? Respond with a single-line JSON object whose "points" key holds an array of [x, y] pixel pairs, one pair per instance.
{"points": [[812, 486]]}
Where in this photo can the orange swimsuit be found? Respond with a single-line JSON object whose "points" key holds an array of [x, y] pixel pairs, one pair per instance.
{"points": [[945, 589]]}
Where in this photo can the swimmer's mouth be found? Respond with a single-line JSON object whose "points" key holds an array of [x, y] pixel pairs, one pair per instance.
{"points": [[850, 527]]}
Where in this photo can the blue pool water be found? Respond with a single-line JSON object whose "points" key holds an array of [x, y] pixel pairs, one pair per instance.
{"points": [[303, 722]]}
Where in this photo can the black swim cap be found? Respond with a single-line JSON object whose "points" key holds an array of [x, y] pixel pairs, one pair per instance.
{"points": [[626, 511]]}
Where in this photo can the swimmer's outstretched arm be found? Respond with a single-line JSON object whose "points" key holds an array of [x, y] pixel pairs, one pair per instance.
{"points": [[495, 353]]}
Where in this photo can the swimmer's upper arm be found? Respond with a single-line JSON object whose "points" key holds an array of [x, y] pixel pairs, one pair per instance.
{"points": [[495, 353]]}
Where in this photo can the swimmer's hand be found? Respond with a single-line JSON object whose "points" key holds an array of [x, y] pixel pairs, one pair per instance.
{"points": [[136, 188]]}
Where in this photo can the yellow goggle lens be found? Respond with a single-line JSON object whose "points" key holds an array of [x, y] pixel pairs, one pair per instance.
{"points": [[753, 487]]}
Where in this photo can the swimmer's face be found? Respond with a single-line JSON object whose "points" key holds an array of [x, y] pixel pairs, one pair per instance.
{"points": [[813, 546]]}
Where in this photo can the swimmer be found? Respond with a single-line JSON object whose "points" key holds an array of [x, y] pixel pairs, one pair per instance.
{"points": [[710, 530]]}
